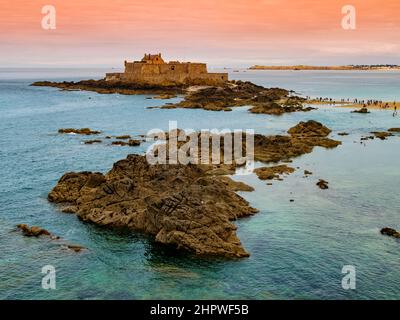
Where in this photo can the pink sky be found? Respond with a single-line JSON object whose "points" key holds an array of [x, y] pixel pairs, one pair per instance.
{"points": [[220, 32]]}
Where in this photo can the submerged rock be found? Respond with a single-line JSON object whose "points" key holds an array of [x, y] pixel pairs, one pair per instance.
{"points": [[123, 137], [130, 143], [75, 248], [83, 131], [92, 141], [134, 142], [33, 231], [382, 135], [390, 232]]}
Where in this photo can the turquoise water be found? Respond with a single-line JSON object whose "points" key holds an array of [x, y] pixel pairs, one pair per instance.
{"points": [[297, 248]]}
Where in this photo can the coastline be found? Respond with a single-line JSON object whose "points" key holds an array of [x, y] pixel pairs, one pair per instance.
{"points": [[325, 68]]}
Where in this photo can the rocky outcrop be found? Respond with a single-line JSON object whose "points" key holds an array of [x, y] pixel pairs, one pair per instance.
{"points": [[190, 206], [362, 110], [37, 232], [83, 131], [123, 137], [394, 130], [382, 135], [302, 139], [223, 97], [75, 247], [271, 149], [33, 231], [310, 128], [272, 101], [390, 232], [130, 143], [180, 205], [111, 87], [165, 96], [273, 173], [92, 141], [322, 184]]}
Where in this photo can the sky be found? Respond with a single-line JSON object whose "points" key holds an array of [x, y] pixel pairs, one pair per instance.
{"points": [[104, 33]]}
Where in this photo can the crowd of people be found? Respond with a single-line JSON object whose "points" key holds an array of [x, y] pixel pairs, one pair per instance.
{"points": [[365, 103]]}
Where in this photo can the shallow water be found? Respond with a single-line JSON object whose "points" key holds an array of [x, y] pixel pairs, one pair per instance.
{"points": [[297, 248]]}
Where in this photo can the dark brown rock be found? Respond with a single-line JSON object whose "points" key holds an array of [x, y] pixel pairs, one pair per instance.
{"points": [[390, 232], [123, 137], [75, 248], [362, 110], [382, 135], [130, 143], [272, 101], [188, 206], [92, 141], [271, 173], [310, 128], [180, 205], [322, 184], [134, 142], [33, 231], [83, 131]]}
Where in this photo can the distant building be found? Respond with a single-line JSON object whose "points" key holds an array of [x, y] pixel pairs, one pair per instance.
{"points": [[153, 70]]}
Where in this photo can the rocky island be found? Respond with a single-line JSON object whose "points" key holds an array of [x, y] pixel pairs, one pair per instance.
{"points": [[201, 89], [190, 207]]}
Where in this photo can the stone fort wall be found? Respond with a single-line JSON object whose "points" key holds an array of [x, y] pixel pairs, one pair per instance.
{"points": [[166, 74]]}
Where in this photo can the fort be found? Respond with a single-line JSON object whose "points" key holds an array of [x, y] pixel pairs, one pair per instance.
{"points": [[153, 70]]}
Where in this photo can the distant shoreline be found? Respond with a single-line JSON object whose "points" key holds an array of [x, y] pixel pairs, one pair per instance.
{"points": [[343, 104], [336, 68]]}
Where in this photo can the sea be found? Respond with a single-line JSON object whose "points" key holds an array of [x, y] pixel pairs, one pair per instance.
{"points": [[298, 250]]}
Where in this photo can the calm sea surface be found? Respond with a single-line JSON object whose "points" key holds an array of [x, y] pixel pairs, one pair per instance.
{"points": [[297, 248]]}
